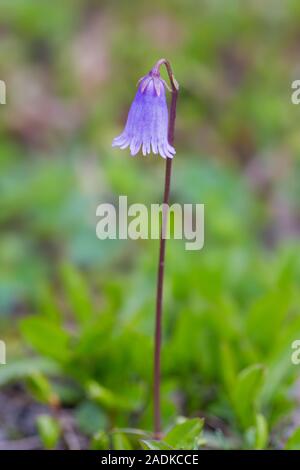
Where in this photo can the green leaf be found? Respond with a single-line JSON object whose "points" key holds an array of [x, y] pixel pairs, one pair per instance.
{"points": [[100, 441], [46, 303], [185, 435], [120, 441], [23, 368], [156, 445], [107, 398], [261, 432], [228, 367], [77, 292], [41, 388], [293, 442], [47, 338], [49, 431], [279, 369], [90, 418], [245, 394], [258, 325]]}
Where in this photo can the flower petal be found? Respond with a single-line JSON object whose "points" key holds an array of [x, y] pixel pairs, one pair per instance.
{"points": [[147, 122]]}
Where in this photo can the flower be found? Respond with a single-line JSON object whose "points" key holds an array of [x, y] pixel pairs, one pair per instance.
{"points": [[147, 121]]}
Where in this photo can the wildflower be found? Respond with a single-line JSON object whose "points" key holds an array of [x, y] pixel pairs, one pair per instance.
{"points": [[148, 127], [147, 123]]}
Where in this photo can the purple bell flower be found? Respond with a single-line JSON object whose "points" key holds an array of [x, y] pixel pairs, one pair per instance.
{"points": [[147, 122]]}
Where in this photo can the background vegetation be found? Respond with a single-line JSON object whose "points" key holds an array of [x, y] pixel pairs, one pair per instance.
{"points": [[77, 314]]}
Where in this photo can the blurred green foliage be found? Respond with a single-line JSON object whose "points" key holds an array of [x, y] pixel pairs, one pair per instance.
{"points": [[81, 311]]}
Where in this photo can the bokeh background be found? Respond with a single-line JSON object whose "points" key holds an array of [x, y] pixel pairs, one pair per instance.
{"points": [[76, 313]]}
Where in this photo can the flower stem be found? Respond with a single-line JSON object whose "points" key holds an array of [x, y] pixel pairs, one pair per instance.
{"points": [[161, 262]]}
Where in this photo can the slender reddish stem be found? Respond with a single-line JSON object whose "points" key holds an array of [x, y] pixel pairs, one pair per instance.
{"points": [[161, 262]]}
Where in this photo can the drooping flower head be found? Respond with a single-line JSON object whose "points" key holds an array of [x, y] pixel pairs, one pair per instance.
{"points": [[147, 122]]}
